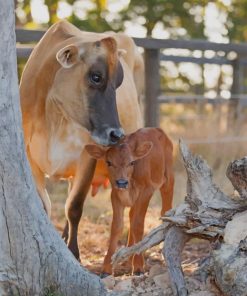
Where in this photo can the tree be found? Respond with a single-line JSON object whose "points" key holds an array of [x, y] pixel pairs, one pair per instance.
{"points": [[236, 20], [95, 20], [34, 259], [173, 15], [95, 17]]}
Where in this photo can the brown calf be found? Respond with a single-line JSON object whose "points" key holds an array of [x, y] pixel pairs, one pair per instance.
{"points": [[139, 165]]}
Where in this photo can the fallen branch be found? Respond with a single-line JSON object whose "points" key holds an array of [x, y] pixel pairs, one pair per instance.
{"points": [[155, 237]]}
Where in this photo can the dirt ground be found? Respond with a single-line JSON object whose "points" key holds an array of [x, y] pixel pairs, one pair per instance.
{"points": [[93, 242]]}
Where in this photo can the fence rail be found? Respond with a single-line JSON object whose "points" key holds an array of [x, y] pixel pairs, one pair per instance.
{"points": [[189, 99], [153, 56]]}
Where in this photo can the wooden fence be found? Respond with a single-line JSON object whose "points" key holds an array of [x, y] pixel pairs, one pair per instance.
{"points": [[153, 56]]}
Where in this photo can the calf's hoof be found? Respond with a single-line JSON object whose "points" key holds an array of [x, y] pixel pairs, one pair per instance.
{"points": [[104, 275], [138, 273]]}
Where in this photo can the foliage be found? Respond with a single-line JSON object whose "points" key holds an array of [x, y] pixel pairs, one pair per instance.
{"points": [[51, 291], [236, 21], [95, 20], [179, 19], [174, 15]]}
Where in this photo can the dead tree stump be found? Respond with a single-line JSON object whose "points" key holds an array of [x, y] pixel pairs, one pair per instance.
{"points": [[206, 213]]}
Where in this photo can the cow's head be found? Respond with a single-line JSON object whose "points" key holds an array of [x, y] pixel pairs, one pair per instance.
{"points": [[86, 87], [121, 160]]}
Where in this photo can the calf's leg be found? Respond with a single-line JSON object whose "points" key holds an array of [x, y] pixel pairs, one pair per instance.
{"points": [[138, 213], [116, 231], [131, 240], [166, 191]]}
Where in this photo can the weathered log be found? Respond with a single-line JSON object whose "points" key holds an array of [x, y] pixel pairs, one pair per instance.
{"points": [[237, 174], [230, 260], [230, 268], [210, 214]]}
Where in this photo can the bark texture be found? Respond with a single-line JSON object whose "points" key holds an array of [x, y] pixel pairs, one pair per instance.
{"points": [[33, 258], [210, 214]]}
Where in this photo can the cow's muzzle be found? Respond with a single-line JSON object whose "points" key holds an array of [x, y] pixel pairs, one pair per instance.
{"points": [[108, 137], [115, 135]]}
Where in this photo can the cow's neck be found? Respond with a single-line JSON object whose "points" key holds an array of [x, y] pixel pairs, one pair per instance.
{"points": [[66, 139]]}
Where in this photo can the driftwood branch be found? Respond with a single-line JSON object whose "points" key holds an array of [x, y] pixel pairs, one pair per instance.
{"points": [[206, 213], [173, 247], [155, 237], [237, 174]]}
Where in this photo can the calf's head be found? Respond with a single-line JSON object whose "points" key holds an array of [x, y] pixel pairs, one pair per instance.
{"points": [[85, 87], [121, 160]]}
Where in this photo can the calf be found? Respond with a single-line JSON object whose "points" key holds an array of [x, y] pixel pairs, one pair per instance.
{"points": [[139, 165]]}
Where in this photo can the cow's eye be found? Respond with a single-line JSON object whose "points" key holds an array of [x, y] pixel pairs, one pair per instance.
{"points": [[132, 163], [96, 78], [108, 163]]}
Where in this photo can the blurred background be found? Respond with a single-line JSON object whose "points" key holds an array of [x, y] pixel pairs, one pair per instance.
{"points": [[200, 95]]}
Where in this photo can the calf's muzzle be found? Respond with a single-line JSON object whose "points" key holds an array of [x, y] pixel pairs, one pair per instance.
{"points": [[122, 183]]}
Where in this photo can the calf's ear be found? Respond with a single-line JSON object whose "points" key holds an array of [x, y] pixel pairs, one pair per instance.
{"points": [[142, 149], [69, 55], [95, 151]]}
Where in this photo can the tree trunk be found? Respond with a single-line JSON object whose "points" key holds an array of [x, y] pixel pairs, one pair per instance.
{"points": [[34, 259]]}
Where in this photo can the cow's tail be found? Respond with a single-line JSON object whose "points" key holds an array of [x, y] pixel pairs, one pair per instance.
{"points": [[139, 74]]}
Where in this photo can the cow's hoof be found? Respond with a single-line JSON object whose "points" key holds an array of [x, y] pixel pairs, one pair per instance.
{"points": [[104, 275], [138, 273]]}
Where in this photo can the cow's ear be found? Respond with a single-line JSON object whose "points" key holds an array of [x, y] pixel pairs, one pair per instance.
{"points": [[121, 52], [142, 149], [69, 55], [95, 151]]}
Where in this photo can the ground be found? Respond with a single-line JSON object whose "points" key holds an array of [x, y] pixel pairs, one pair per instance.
{"points": [[93, 241]]}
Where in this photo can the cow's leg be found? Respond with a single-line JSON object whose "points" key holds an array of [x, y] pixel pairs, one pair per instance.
{"points": [[74, 203], [65, 234], [39, 178], [116, 230], [166, 191], [139, 211]]}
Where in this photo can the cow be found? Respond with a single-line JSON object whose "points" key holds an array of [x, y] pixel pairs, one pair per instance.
{"points": [[140, 164], [74, 90]]}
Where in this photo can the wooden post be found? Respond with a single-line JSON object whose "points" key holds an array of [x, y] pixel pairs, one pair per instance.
{"points": [[237, 89], [152, 86]]}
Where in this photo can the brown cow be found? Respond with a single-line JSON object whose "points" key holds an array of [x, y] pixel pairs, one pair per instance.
{"points": [[75, 88], [139, 165]]}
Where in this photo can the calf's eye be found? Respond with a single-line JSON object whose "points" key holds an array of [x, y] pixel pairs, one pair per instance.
{"points": [[108, 163], [132, 163]]}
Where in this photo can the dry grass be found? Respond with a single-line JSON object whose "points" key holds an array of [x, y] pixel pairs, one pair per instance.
{"points": [[207, 124]]}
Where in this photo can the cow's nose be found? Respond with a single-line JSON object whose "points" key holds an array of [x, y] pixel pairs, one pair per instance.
{"points": [[121, 183], [116, 135]]}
